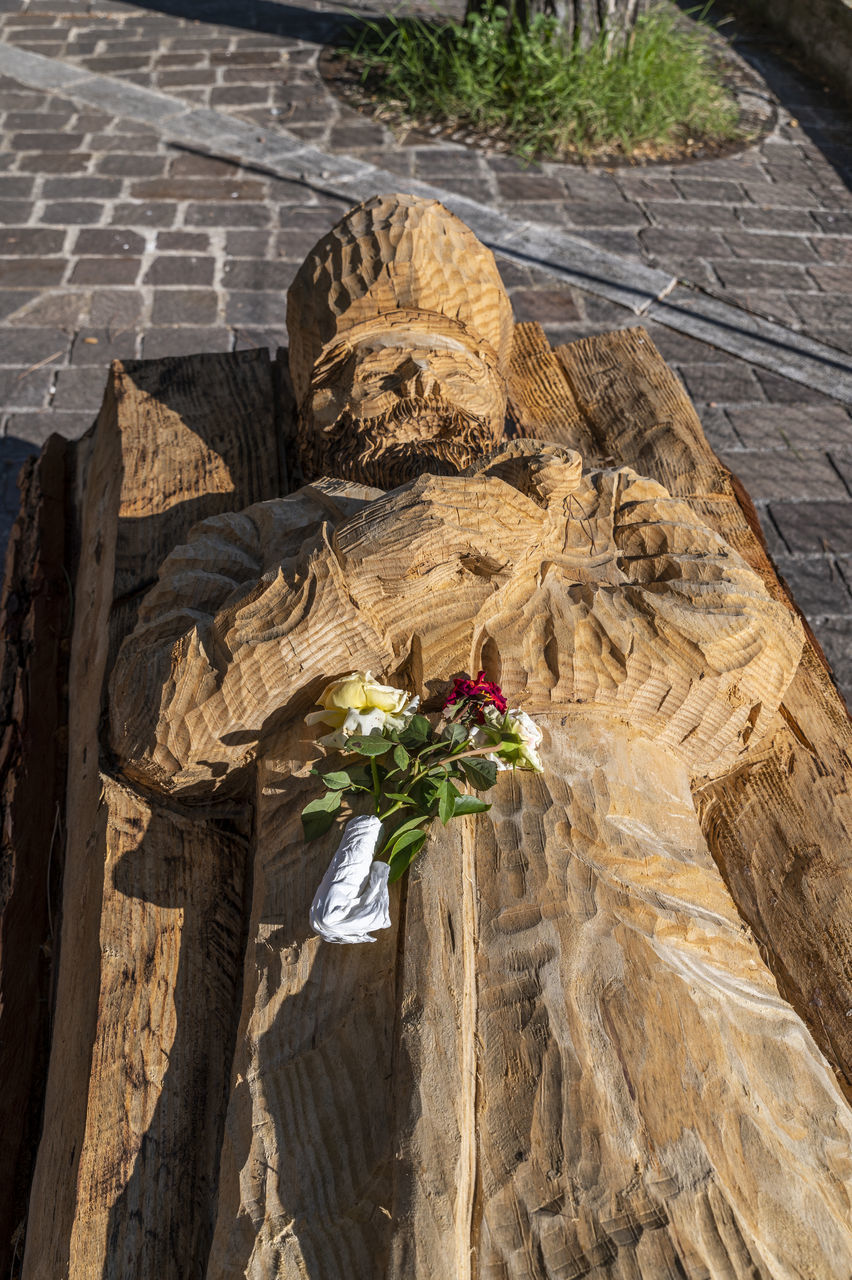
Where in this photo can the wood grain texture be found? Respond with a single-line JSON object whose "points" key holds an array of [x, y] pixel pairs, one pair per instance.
{"points": [[575, 1060], [35, 620], [780, 827], [162, 456], [568, 1057]]}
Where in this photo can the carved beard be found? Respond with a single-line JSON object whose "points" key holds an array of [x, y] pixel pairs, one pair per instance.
{"points": [[417, 435]]}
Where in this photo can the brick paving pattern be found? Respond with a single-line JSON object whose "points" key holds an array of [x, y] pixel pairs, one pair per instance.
{"points": [[113, 243]]}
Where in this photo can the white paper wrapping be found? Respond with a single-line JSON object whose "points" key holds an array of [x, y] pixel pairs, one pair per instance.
{"points": [[353, 896]]}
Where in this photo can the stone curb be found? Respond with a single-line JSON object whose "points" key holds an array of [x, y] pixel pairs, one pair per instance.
{"points": [[643, 290]]}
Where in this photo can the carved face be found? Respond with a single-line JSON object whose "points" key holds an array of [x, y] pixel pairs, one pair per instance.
{"points": [[395, 403]]}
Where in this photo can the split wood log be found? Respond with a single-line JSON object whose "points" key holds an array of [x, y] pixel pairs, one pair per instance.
{"points": [[34, 640], [153, 900]]}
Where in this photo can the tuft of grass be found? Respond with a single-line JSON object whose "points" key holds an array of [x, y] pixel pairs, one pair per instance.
{"points": [[545, 95]]}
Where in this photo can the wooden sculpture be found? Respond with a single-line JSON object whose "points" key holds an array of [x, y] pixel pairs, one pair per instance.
{"points": [[568, 1057], [400, 338]]}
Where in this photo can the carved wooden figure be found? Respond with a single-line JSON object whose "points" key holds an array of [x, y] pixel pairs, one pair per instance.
{"points": [[568, 1056], [400, 337], [573, 1039]]}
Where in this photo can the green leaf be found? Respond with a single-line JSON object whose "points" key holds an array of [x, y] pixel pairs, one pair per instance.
{"points": [[469, 804], [417, 731], [455, 734], [401, 758], [337, 780], [361, 777], [399, 796], [319, 815], [372, 745], [480, 772], [409, 825], [448, 793], [405, 854]]}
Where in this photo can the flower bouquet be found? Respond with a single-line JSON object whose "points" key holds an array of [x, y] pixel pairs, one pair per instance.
{"points": [[409, 772]]}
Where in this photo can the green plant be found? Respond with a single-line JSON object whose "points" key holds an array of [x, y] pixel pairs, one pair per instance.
{"points": [[545, 95]]}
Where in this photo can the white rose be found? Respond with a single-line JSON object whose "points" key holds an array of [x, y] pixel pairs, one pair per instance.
{"points": [[526, 754]]}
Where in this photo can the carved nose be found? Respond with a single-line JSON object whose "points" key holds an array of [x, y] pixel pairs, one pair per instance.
{"points": [[418, 380]]}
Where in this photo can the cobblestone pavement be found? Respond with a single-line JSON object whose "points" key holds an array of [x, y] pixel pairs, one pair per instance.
{"points": [[114, 243]]}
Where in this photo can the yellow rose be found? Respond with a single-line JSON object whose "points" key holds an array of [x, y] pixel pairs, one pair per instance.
{"points": [[360, 692], [358, 704]]}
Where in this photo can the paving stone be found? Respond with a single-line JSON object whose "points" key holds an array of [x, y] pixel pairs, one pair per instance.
{"points": [[760, 275], [115, 309], [254, 309], [841, 459], [185, 306], [100, 346], [835, 637], [236, 214], [109, 240], [639, 185], [18, 186], [620, 214], [76, 188], [183, 188], [78, 390], [833, 248], [183, 241], [25, 346], [54, 162], [692, 215], [547, 306], [767, 195], [722, 383], [529, 186], [30, 240], [836, 223], [768, 427], [24, 388], [37, 120], [773, 476], [74, 212], [246, 274], [834, 278], [825, 309], [14, 212], [36, 427], [785, 391], [31, 272], [247, 244], [175, 269], [757, 246], [808, 527], [132, 166], [252, 339], [676, 244], [707, 190], [143, 213], [765, 219], [112, 270], [157, 342], [47, 141], [816, 583]]}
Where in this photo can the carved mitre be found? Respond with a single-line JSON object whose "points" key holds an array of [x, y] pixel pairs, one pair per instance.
{"points": [[400, 334]]}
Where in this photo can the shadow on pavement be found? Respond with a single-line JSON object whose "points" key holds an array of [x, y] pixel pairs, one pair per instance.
{"points": [[13, 455], [821, 113], [264, 16]]}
